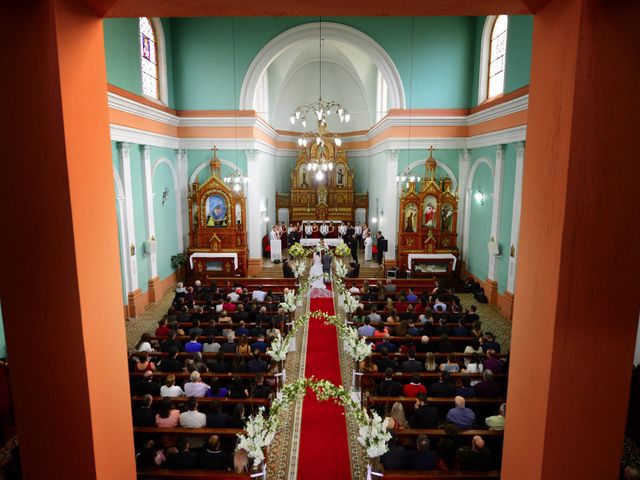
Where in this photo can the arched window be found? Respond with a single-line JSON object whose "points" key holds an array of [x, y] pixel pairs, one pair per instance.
{"points": [[493, 52], [149, 59]]}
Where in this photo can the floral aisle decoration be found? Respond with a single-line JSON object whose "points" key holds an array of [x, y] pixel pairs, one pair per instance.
{"points": [[297, 251], [341, 269], [373, 434], [260, 431], [342, 250], [279, 347], [351, 303], [299, 267], [289, 304], [356, 348]]}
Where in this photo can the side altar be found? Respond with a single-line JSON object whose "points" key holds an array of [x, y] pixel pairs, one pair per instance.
{"points": [[217, 227], [427, 225], [322, 185]]}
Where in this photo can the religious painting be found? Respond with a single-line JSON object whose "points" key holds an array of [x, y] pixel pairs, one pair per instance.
{"points": [[430, 208], [446, 216], [302, 180], [411, 218], [217, 211], [340, 176], [238, 214]]}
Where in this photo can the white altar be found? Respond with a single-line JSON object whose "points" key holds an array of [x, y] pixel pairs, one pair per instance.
{"points": [[430, 256], [276, 249], [214, 255], [312, 242]]}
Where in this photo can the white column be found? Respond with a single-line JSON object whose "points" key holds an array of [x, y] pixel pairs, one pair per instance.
{"points": [[389, 221], [495, 213], [124, 250], [148, 207], [464, 156], [129, 232], [254, 193], [515, 218], [182, 192]]}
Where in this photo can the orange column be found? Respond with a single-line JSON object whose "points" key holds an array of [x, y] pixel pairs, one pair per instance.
{"points": [[576, 311], [60, 275]]}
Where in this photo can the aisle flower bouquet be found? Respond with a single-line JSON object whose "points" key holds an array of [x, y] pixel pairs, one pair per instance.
{"points": [[350, 302], [342, 250], [373, 435], [356, 348], [341, 269], [259, 433], [299, 267], [289, 304], [279, 347], [297, 251]]}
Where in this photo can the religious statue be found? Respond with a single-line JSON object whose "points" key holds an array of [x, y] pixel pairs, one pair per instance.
{"points": [[445, 218], [411, 213], [304, 179], [340, 176], [322, 195]]}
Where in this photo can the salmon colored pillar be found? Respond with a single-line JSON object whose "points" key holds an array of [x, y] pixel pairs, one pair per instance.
{"points": [[576, 311], [60, 278]]}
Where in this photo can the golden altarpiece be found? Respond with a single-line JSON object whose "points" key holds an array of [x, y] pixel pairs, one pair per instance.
{"points": [[428, 222], [217, 227], [331, 198]]}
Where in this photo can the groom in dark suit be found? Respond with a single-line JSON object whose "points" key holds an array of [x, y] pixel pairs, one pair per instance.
{"points": [[326, 263], [353, 245]]}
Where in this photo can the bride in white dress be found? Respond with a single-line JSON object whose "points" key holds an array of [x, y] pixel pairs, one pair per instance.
{"points": [[318, 288]]}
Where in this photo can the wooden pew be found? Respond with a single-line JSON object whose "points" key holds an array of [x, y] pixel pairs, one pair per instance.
{"points": [[203, 376], [441, 474], [438, 401], [178, 431], [249, 402], [161, 473], [407, 376]]}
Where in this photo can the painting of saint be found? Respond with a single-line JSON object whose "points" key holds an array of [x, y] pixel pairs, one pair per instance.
{"points": [[216, 211], [340, 176], [446, 214], [430, 207], [410, 218]]}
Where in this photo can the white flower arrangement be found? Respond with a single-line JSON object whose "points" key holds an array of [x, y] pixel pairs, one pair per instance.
{"points": [[350, 302], [341, 269], [260, 432], [297, 250], [342, 250], [356, 348], [289, 304], [373, 435], [279, 347], [299, 267]]}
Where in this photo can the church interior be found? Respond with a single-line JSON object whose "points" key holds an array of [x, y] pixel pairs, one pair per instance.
{"points": [[315, 241]]}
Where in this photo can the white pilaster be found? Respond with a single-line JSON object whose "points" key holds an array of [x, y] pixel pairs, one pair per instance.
{"points": [[389, 221], [254, 193], [148, 207], [129, 231], [464, 156], [495, 212], [182, 190], [515, 218]]}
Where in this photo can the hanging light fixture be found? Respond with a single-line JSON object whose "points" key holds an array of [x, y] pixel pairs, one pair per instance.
{"points": [[319, 111]]}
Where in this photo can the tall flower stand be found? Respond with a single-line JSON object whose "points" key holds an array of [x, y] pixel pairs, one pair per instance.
{"points": [[373, 469]]}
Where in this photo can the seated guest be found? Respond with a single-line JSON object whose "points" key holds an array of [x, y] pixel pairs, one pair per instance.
{"points": [[144, 416], [381, 331], [210, 346], [411, 297], [366, 330], [260, 390], [442, 328], [256, 364], [167, 417], [238, 364], [258, 294], [424, 416], [195, 387], [354, 289], [241, 462], [471, 315], [424, 346], [430, 362], [196, 328], [373, 316], [488, 387], [237, 419], [451, 364], [411, 365], [238, 390], [422, 458], [146, 386], [243, 346], [144, 363], [476, 330], [183, 315], [210, 329], [473, 348], [216, 390], [163, 328], [489, 342], [230, 345], [171, 342], [240, 315], [394, 458], [492, 363], [287, 271], [224, 317], [193, 345], [445, 346], [466, 390], [259, 344], [401, 330], [414, 388], [388, 387], [149, 457], [496, 422], [218, 364], [170, 389], [401, 305], [180, 457], [171, 363], [477, 457], [474, 366], [213, 457], [413, 330], [261, 317], [397, 417], [386, 343], [460, 415], [385, 362], [192, 418], [460, 330], [216, 418], [439, 306], [389, 287], [444, 388]]}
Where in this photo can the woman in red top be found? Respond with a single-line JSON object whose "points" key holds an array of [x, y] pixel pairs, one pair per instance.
{"points": [[144, 363], [401, 306], [162, 330], [414, 388]]}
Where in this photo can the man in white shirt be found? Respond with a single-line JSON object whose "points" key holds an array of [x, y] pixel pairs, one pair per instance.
{"points": [[234, 295], [342, 230], [358, 231], [324, 230], [258, 294], [170, 389], [308, 230], [196, 387], [354, 289], [192, 418]]}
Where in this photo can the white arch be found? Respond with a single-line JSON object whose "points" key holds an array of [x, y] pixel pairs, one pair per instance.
{"points": [[474, 167], [467, 204], [176, 194], [444, 166], [118, 183], [205, 164], [330, 31], [485, 52]]}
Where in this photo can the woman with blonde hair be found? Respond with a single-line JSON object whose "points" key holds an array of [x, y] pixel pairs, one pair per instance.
{"points": [[430, 362], [397, 413], [243, 347], [240, 461]]}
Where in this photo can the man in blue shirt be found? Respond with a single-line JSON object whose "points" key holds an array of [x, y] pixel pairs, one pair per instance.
{"points": [[259, 344], [490, 343], [366, 330], [193, 345], [386, 343], [460, 415], [411, 297]]}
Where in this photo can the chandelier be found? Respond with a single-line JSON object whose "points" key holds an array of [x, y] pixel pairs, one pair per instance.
{"points": [[236, 180], [319, 111]]}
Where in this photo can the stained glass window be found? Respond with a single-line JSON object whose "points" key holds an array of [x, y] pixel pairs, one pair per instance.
{"points": [[149, 58], [497, 56]]}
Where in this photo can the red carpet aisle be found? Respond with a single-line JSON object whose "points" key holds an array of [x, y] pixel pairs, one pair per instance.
{"points": [[324, 452]]}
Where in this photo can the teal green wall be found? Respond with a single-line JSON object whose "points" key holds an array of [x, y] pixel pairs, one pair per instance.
{"points": [[378, 184], [519, 43], [3, 342], [165, 219], [361, 172], [284, 167], [196, 157], [506, 211], [480, 218]]}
